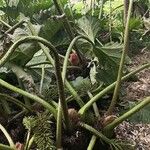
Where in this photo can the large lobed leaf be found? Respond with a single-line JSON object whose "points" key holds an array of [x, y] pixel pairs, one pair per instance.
{"points": [[88, 26], [109, 57], [25, 51]]}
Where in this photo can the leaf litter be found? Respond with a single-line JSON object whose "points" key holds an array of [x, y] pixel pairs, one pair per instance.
{"points": [[137, 134]]}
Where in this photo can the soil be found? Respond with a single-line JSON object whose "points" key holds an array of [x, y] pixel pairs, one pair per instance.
{"points": [[137, 134]]}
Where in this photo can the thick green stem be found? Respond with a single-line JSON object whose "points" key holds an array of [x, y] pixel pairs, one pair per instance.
{"points": [[59, 128], [21, 74], [100, 135], [79, 100], [95, 132], [109, 128], [110, 20], [95, 108], [27, 139], [126, 6], [21, 85], [31, 141], [42, 78], [11, 29], [74, 93], [81, 103], [31, 96], [125, 48], [68, 28], [6, 147], [15, 101], [43, 47], [4, 23], [68, 52], [71, 12], [38, 63], [18, 115], [101, 9], [92, 7], [110, 87], [66, 23], [11, 143], [6, 107], [97, 114], [57, 68], [92, 143]]}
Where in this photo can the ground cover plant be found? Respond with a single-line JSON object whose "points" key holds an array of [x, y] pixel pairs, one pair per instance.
{"points": [[62, 65]]}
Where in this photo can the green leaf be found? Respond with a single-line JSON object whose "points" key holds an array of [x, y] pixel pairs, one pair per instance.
{"points": [[49, 88], [109, 57], [50, 28], [37, 58], [25, 51], [106, 75], [61, 40], [81, 84], [27, 7], [109, 54], [88, 27], [141, 116], [36, 73]]}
